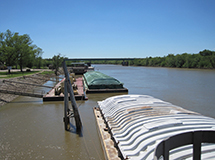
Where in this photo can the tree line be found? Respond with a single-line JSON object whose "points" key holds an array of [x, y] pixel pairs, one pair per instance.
{"points": [[204, 59]]}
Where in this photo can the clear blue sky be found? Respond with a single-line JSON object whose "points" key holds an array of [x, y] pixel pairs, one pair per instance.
{"points": [[112, 28]]}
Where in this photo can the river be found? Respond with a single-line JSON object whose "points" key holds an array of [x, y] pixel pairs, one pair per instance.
{"points": [[33, 129]]}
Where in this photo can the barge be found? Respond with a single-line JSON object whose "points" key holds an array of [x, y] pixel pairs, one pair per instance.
{"points": [[57, 93], [143, 127], [78, 68], [97, 82]]}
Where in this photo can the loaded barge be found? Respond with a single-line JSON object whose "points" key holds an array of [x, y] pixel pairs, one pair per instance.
{"points": [[97, 82], [143, 127]]}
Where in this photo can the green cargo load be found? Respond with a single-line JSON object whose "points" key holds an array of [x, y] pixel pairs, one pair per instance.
{"points": [[98, 80]]}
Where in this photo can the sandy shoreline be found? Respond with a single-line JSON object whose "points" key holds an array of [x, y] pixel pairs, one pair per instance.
{"points": [[35, 79]]}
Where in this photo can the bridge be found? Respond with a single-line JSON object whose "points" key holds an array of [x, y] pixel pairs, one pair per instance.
{"points": [[99, 59], [124, 63]]}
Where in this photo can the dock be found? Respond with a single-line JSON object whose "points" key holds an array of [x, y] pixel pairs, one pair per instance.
{"points": [[50, 96]]}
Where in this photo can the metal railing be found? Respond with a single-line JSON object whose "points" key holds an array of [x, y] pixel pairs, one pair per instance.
{"points": [[195, 138]]}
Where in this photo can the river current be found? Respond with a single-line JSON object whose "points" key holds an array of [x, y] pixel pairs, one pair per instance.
{"points": [[33, 129]]}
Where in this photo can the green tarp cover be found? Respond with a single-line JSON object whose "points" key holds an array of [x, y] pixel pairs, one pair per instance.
{"points": [[98, 80]]}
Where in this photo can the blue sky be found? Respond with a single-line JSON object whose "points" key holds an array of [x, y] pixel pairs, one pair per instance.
{"points": [[112, 28]]}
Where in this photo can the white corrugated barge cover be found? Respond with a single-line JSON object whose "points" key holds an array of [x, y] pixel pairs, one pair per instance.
{"points": [[138, 123]]}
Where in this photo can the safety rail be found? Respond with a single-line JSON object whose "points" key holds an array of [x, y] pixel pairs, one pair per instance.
{"points": [[195, 138]]}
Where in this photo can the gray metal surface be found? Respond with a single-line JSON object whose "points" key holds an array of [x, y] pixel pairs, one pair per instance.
{"points": [[138, 123]]}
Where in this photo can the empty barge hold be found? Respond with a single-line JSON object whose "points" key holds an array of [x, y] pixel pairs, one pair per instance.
{"points": [[97, 82], [143, 127]]}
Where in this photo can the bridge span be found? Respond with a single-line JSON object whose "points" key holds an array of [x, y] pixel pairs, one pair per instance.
{"points": [[98, 59]]}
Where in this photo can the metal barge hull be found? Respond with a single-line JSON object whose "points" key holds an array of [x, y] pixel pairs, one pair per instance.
{"points": [[143, 127]]}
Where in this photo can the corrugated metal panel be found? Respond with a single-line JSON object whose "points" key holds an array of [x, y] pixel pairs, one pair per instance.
{"points": [[138, 123]]}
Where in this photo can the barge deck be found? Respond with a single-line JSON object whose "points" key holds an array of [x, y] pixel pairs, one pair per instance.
{"points": [[143, 127], [50, 96]]}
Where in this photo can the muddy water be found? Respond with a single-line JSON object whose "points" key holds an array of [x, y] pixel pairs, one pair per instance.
{"points": [[192, 89], [33, 129]]}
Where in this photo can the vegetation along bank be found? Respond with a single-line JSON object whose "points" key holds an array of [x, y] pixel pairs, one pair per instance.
{"points": [[203, 60]]}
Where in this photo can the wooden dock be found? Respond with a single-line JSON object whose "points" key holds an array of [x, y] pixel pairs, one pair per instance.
{"points": [[50, 96]]}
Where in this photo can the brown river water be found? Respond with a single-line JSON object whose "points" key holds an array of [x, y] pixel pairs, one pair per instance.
{"points": [[33, 129]]}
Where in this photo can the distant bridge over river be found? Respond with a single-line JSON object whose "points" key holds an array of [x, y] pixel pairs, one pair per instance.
{"points": [[99, 59], [124, 63]]}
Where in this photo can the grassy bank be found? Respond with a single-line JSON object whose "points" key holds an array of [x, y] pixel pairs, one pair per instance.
{"points": [[16, 74], [47, 72]]}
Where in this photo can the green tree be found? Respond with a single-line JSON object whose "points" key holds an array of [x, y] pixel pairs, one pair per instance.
{"points": [[206, 52], [24, 50], [170, 60], [7, 50], [212, 59], [57, 62], [179, 61], [1, 45], [37, 57], [194, 60], [17, 49]]}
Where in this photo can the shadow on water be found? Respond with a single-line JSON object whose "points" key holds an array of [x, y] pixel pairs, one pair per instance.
{"points": [[74, 130]]}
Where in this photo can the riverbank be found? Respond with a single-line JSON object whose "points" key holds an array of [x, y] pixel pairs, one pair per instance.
{"points": [[37, 78]]}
